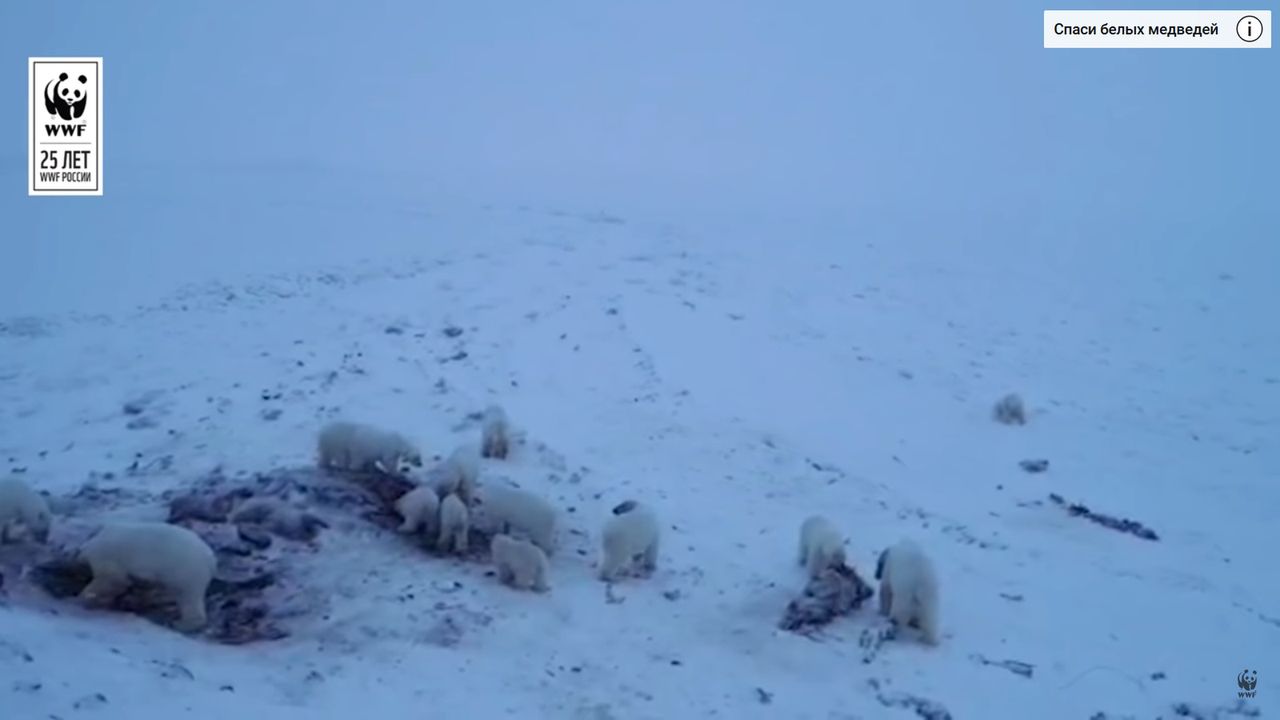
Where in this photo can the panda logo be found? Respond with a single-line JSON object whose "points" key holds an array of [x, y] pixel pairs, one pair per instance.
{"points": [[64, 100]]}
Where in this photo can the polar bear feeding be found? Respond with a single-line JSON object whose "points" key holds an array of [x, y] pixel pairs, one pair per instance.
{"points": [[909, 589], [420, 508], [173, 557], [455, 525], [355, 446], [459, 473], [512, 510], [821, 545]]}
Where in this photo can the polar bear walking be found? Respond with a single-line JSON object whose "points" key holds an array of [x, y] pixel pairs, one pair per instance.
{"points": [[173, 557], [495, 433], [520, 511], [627, 536], [909, 589], [21, 506], [455, 524], [821, 545], [355, 446], [420, 508], [521, 564]]}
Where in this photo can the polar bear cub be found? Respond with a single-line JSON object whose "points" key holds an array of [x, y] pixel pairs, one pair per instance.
{"points": [[420, 508], [460, 474], [628, 535], [495, 433], [513, 509], [355, 446], [455, 524], [909, 589], [22, 506], [521, 564], [171, 556], [821, 545]]}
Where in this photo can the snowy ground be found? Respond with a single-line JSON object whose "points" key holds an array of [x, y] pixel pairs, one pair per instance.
{"points": [[739, 379]]}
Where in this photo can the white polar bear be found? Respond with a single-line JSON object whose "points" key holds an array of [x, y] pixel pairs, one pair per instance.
{"points": [[821, 546], [459, 473], [521, 564], [509, 509], [455, 523], [420, 508], [909, 589], [355, 446], [495, 433], [628, 535], [171, 556], [22, 506]]}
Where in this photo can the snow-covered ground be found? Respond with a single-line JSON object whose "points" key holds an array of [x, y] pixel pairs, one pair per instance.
{"points": [[739, 368], [737, 384]]}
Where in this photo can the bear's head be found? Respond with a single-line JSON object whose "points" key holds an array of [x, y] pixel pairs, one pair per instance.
{"points": [[66, 99]]}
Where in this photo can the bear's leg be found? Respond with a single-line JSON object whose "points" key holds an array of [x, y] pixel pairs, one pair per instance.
{"points": [[107, 585], [817, 562], [191, 607], [505, 576], [886, 598], [539, 583], [650, 560], [460, 540], [442, 540], [608, 567], [903, 607], [927, 621], [410, 524]]}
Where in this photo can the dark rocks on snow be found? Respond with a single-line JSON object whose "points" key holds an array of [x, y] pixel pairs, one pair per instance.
{"points": [[1124, 525], [1038, 465]]}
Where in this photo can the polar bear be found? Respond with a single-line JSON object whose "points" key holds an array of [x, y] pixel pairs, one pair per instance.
{"points": [[495, 433], [355, 446], [455, 524], [171, 556], [512, 509], [626, 536], [459, 473], [909, 589], [521, 564], [22, 506], [821, 546], [420, 508]]}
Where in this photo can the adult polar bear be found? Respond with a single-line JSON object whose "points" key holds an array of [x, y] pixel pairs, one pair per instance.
{"points": [[356, 446], [511, 510], [909, 589], [170, 556], [628, 535]]}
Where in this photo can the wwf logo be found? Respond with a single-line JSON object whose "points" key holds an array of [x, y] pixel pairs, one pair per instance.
{"points": [[65, 99], [1248, 682]]}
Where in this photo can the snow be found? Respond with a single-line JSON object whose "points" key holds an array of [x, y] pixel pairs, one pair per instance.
{"points": [[740, 302]]}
